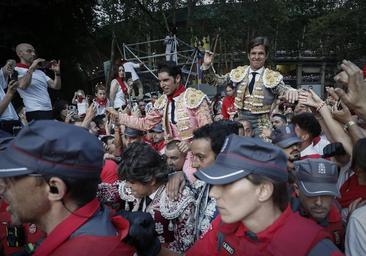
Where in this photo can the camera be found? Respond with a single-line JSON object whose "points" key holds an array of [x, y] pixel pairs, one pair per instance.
{"points": [[333, 149], [71, 108]]}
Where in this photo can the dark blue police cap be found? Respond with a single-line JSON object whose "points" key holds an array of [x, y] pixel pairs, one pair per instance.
{"points": [[55, 148], [317, 177], [285, 136], [133, 133], [241, 156]]}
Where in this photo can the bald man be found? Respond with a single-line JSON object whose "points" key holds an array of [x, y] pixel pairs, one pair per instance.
{"points": [[33, 82]]}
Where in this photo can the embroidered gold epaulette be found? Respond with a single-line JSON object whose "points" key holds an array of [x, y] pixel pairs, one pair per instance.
{"points": [[271, 78], [238, 74], [161, 102], [193, 97]]}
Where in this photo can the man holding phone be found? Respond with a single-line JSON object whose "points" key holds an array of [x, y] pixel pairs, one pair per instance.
{"points": [[8, 116], [33, 82]]}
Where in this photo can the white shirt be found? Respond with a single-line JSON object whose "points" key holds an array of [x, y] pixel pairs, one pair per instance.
{"points": [[316, 149], [258, 75], [355, 242], [9, 113], [120, 97], [35, 96], [130, 67]]}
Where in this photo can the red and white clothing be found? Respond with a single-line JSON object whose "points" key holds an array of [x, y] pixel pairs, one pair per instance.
{"points": [[189, 109], [227, 106], [35, 96], [289, 235], [120, 98], [315, 149], [101, 106], [94, 234]]}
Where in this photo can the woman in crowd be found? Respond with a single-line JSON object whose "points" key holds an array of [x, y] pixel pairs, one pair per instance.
{"points": [[119, 90]]}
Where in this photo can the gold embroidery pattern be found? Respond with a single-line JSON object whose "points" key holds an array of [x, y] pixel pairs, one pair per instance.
{"points": [[193, 98], [161, 102], [238, 74], [271, 78]]}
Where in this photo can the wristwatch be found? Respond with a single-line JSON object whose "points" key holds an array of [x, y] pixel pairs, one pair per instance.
{"points": [[348, 125]]}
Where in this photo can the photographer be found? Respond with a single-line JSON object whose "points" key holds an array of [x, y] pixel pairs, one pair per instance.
{"points": [[9, 119], [33, 82]]}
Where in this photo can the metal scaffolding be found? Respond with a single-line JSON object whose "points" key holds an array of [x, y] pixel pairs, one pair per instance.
{"points": [[152, 53]]}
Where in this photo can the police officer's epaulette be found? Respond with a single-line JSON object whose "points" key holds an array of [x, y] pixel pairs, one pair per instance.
{"points": [[172, 209], [238, 74], [193, 98], [161, 102], [271, 78]]}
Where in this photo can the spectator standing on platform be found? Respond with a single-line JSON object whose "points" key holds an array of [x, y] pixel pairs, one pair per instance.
{"points": [[33, 82]]}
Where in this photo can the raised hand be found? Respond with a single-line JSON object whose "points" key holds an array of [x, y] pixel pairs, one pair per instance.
{"points": [[55, 66], [342, 115], [309, 98], [208, 58], [355, 96], [36, 63]]}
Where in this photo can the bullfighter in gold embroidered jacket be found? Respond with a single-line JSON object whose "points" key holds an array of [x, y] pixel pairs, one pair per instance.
{"points": [[256, 86]]}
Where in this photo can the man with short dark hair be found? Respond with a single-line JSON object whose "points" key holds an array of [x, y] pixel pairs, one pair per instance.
{"points": [[286, 138], [206, 145], [175, 158], [33, 82], [308, 129], [316, 189], [180, 110], [49, 176], [278, 120], [256, 86]]}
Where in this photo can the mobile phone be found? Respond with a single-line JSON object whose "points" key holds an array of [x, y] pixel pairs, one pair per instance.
{"points": [[14, 76]]}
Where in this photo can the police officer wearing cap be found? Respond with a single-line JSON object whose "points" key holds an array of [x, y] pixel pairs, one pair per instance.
{"points": [[286, 138], [249, 183], [49, 176], [316, 189]]}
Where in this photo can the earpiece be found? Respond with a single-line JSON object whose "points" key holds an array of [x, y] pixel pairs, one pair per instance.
{"points": [[53, 190]]}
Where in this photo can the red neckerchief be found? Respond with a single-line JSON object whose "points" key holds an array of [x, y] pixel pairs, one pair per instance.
{"points": [[177, 92], [159, 145], [22, 65], [123, 85], [63, 230], [350, 191], [100, 102], [316, 140], [80, 99]]}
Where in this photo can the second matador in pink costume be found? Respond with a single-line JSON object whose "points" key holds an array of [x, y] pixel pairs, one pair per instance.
{"points": [[180, 110]]}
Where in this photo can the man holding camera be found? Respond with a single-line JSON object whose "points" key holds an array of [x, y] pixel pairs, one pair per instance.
{"points": [[33, 82], [8, 117]]}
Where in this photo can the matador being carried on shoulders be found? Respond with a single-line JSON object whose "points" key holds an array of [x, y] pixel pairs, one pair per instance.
{"points": [[181, 110], [257, 87]]}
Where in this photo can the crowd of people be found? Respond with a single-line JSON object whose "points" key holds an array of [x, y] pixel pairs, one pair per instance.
{"points": [[278, 171]]}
